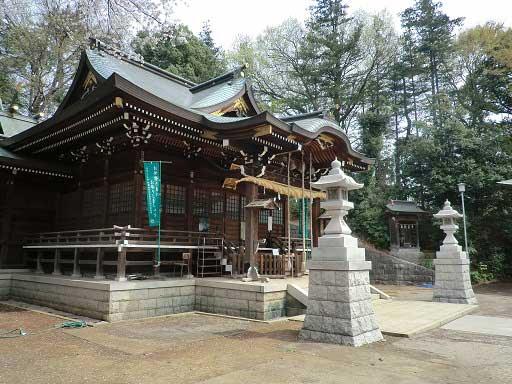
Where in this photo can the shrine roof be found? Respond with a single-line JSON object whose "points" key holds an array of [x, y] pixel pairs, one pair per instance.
{"points": [[15, 162], [403, 206], [107, 79], [169, 87], [13, 123]]}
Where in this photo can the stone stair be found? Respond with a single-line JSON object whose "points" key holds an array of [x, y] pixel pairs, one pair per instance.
{"points": [[301, 294]]}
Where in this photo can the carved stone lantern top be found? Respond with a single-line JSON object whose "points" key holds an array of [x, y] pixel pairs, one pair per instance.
{"points": [[336, 178], [449, 217], [337, 185], [447, 212]]}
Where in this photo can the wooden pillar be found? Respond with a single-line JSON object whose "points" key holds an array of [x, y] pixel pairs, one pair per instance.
{"points": [[39, 266], [121, 264], [315, 214], [251, 224], [285, 215], [56, 263], [397, 229], [106, 189], [391, 222], [189, 203], [99, 264], [417, 234], [79, 220], [5, 225], [138, 188], [76, 263]]}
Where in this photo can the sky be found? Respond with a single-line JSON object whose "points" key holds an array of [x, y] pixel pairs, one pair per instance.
{"points": [[229, 18]]}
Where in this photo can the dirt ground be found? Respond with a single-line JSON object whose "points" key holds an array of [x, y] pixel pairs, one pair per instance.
{"points": [[194, 348]]}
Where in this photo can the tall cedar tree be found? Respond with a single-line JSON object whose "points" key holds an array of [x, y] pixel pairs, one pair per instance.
{"points": [[432, 33], [334, 40]]}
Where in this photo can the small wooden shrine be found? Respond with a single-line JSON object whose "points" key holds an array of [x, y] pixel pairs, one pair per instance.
{"points": [[404, 235]]}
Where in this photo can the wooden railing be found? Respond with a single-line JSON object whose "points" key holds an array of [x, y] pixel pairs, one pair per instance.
{"points": [[279, 265], [120, 240], [121, 235]]}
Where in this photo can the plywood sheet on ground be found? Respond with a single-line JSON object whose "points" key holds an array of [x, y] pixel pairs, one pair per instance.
{"points": [[488, 325], [407, 318]]}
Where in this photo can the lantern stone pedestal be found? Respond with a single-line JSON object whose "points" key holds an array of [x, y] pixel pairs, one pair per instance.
{"points": [[452, 280], [339, 307]]}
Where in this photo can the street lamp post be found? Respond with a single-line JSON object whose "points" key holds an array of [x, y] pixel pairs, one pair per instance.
{"points": [[462, 189]]}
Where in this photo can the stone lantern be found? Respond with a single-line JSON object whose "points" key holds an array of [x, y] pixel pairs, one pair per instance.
{"points": [[339, 302], [336, 185], [452, 280]]}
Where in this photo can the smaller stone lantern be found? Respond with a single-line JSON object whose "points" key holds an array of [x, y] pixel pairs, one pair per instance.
{"points": [[339, 307], [452, 280]]}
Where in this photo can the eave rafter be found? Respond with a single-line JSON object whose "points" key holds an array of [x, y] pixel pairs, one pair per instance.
{"points": [[16, 169], [104, 116]]}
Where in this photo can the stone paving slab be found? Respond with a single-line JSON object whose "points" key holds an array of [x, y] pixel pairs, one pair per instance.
{"points": [[407, 318], [488, 325]]}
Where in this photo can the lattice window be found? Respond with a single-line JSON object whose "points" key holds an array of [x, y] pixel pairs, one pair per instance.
{"points": [[201, 203], [217, 204], [243, 203], [121, 197], [277, 215], [93, 201], [263, 216], [175, 199], [232, 207]]}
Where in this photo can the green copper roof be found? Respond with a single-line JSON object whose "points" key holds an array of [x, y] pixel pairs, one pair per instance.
{"points": [[165, 85], [12, 123], [402, 206], [218, 94], [4, 153], [314, 124], [166, 88], [222, 119]]}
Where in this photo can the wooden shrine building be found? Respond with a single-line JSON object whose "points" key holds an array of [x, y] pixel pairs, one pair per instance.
{"points": [[404, 235], [72, 192]]}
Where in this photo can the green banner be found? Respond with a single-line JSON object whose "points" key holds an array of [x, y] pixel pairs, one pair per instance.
{"points": [[153, 178], [306, 216]]}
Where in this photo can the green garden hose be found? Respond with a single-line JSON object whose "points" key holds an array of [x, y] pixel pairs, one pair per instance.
{"points": [[18, 332]]}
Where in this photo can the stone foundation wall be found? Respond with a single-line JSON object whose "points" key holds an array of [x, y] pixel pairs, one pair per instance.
{"points": [[148, 299], [387, 269], [113, 301], [248, 301], [109, 302], [81, 298]]}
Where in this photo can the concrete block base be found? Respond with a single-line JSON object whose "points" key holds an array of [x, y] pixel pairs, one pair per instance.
{"points": [[125, 300], [330, 338], [452, 280], [340, 309]]}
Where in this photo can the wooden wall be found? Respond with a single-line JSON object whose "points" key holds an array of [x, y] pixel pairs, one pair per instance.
{"points": [[110, 191], [27, 205]]}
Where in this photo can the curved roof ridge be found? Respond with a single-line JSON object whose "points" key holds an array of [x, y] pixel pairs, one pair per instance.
{"points": [[301, 116], [233, 74], [137, 60]]}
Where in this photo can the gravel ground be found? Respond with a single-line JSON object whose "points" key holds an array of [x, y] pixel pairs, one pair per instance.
{"points": [[195, 348]]}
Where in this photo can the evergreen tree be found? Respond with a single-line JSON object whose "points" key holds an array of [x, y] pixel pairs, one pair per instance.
{"points": [[334, 39], [432, 33], [178, 50], [206, 37]]}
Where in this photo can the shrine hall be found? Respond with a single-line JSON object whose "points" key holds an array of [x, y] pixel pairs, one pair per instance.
{"points": [[73, 192]]}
